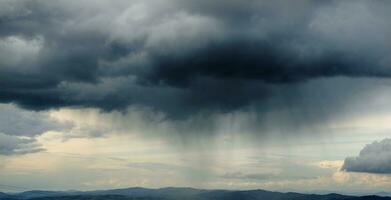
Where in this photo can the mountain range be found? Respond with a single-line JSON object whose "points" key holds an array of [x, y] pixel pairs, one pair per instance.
{"points": [[171, 193]]}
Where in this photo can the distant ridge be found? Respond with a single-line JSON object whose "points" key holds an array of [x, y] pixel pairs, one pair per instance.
{"points": [[173, 193], [3, 195]]}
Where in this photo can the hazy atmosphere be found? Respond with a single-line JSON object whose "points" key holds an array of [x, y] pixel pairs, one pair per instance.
{"points": [[223, 94]]}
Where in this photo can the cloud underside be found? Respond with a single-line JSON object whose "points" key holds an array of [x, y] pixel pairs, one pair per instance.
{"points": [[374, 158], [181, 58]]}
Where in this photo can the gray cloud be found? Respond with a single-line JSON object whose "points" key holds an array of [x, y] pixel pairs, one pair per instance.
{"points": [[19, 129], [10, 145], [373, 158], [18, 122], [182, 58]]}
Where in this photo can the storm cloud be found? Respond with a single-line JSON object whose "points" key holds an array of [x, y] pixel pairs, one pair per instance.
{"points": [[182, 58], [373, 158]]}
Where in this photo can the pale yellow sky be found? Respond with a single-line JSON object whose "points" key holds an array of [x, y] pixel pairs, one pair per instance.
{"points": [[111, 150]]}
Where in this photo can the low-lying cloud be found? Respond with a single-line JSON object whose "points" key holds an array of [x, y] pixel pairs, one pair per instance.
{"points": [[373, 158]]}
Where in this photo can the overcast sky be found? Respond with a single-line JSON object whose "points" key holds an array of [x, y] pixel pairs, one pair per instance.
{"points": [[278, 95]]}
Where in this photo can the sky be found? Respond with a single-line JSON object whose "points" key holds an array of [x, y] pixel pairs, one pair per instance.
{"points": [[224, 94]]}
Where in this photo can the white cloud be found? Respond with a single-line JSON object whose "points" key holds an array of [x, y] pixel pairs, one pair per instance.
{"points": [[330, 164]]}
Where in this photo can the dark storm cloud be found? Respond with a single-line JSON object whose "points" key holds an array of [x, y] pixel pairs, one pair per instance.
{"points": [[373, 158], [183, 57]]}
